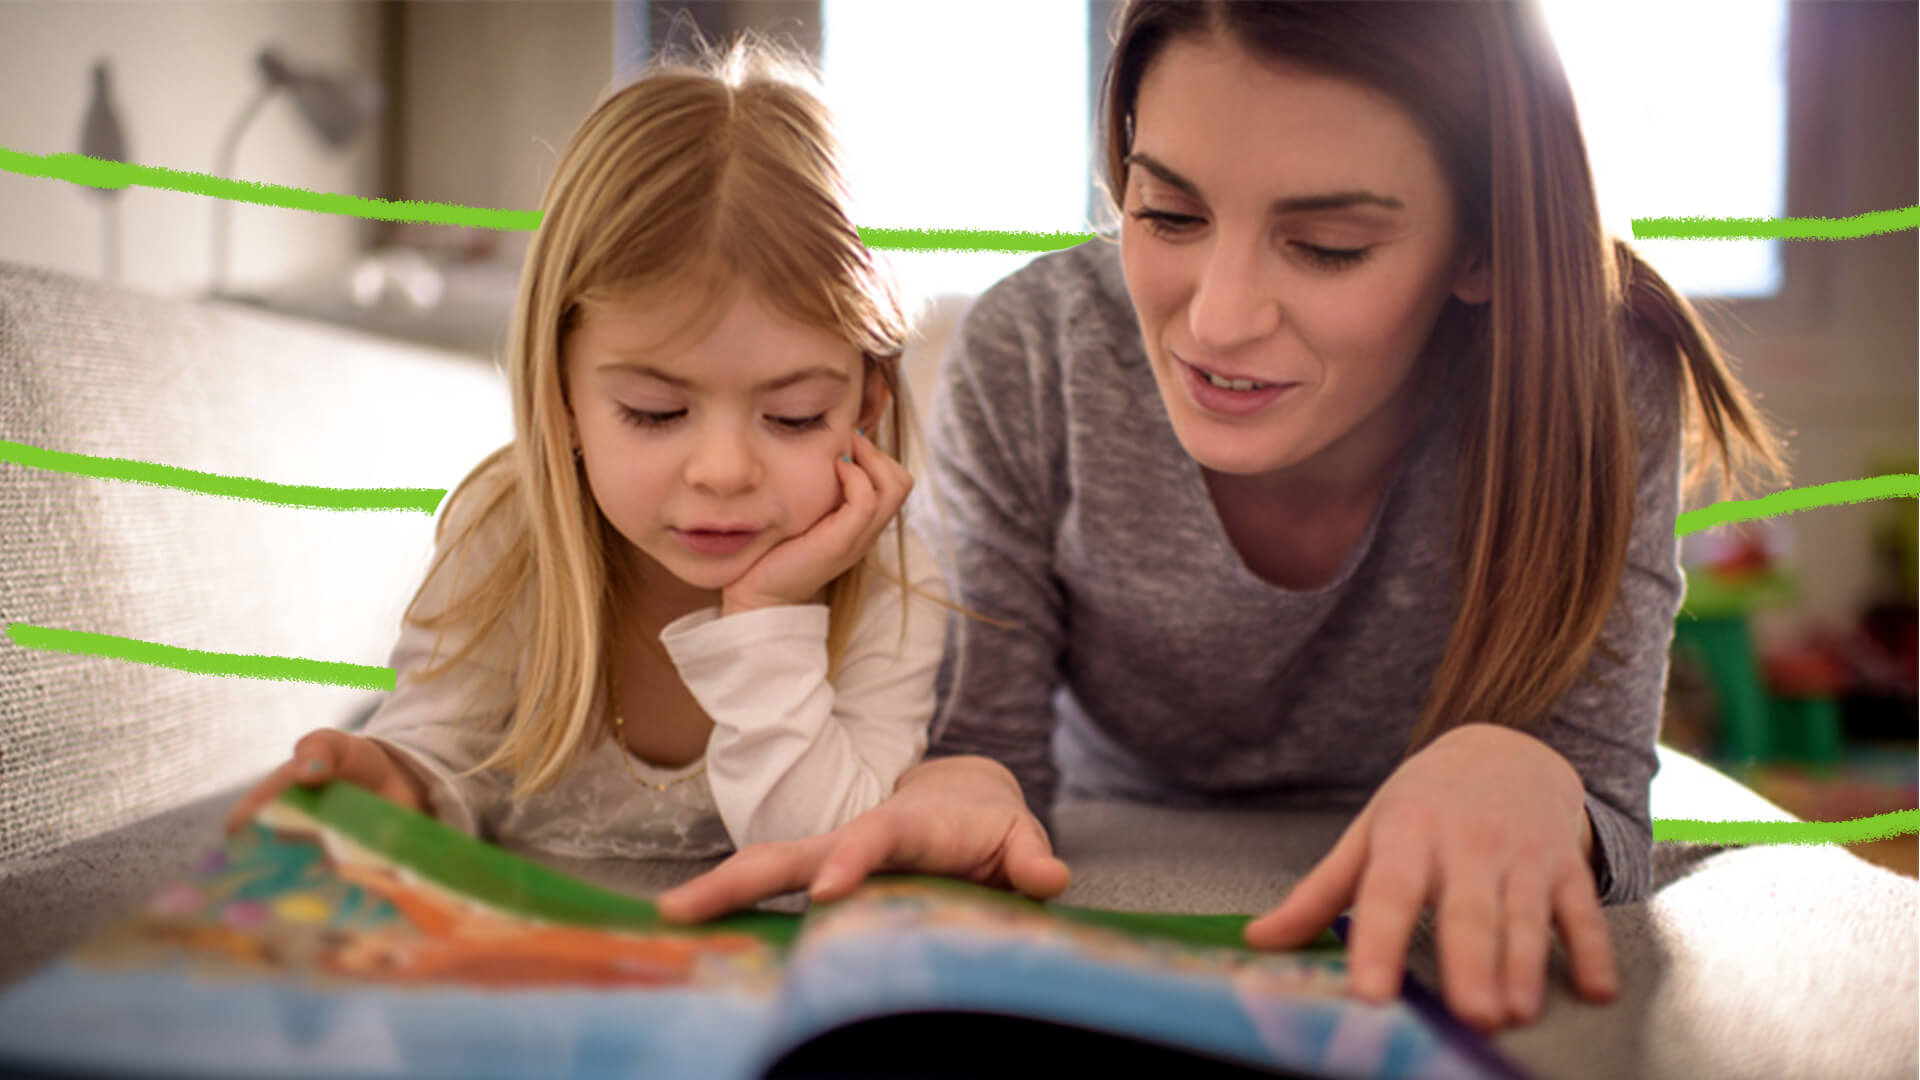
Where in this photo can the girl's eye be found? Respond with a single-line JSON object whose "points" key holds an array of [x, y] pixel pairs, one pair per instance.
{"points": [[645, 419], [797, 424], [1331, 258], [1166, 223]]}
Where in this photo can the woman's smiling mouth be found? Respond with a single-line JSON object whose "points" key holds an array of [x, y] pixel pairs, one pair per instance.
{"points": [[1229, 395]]}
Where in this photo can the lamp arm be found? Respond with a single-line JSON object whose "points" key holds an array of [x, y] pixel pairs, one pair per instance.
{"points": [[223, 168]]}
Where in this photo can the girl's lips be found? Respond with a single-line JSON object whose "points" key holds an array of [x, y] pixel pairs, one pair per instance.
{"points": [[715, 541], [1215, 399]]}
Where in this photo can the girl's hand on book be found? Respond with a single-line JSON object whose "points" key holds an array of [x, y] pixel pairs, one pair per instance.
{"points": [[872, 488], [1490, 826], [330, 754], [960, 817]]}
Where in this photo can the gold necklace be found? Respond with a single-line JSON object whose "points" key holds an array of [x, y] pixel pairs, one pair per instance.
{"points": [[626, 758]]}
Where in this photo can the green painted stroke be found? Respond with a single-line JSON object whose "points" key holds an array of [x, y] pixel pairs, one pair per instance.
{"points": [[1857, 831], [1872, 223], [420, 500], [239, 665], [93, 172], [1892, 486], [427, 500]]}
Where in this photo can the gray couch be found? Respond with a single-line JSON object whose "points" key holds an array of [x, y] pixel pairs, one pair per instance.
{"points": [[1763, 962]]}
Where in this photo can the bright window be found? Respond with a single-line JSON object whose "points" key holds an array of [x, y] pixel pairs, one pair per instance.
{"points": [[960, 116], [1684, 107], [977, 115]]}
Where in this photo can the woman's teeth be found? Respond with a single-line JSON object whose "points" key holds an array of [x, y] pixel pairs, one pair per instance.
{"points": [[1232, 384]]}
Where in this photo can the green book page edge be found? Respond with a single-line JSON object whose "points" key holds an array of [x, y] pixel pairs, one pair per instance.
{"points": [[514, 883], [492, 875], [1212, 931]]}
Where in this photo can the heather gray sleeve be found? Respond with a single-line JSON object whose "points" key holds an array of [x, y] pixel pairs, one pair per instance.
{"points": [[995, 447], [1607, 724]]}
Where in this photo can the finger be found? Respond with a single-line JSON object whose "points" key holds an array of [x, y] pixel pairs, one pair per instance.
{"points": [[861, 847], [262, 793], [1469, 937], [1584, 929], [1324, 893], [842, 525], [1031, 866], [1393, 889], [856, 488], [891, 480], [317, 756], [1529, 919], [364, 763], [751, 874]]}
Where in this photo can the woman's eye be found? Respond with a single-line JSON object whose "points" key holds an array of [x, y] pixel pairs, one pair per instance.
{"points": [[799, 423], [648, 419], [1166, 222], [1331, 258]]}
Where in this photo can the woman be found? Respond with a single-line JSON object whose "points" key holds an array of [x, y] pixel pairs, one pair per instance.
{"points": [[1348, 479]]}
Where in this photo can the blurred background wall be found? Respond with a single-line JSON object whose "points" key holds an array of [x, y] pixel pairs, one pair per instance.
{"points": [[956, 114]]}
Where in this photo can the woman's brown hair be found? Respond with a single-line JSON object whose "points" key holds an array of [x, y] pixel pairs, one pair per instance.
{"points": [[1550, 450]]}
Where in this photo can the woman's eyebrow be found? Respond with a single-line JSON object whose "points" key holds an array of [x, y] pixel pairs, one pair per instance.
{"points": [[1298, 204], [1163, 174]]}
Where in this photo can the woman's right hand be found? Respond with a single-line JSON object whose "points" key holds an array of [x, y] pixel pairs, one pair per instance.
{"points": [[330, 754], [960, 817]]}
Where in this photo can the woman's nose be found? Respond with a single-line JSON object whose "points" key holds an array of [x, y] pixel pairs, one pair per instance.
{"points": [[1231, 304]]}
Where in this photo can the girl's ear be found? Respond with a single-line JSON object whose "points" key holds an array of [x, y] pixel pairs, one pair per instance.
{"points": [[874, 396], [1474, 285]]}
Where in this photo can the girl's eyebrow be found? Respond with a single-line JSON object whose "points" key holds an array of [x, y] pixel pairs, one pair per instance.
{"points": [[818, 371], [1299, 204]]}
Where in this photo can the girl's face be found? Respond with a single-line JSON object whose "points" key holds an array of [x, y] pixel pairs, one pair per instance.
{"points": [[707, 455], [1288, 235]]}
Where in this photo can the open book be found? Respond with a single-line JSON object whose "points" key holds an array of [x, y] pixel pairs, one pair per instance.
{"points": [[342, 936]]}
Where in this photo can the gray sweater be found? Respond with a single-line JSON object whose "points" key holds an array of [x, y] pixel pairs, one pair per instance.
{"points": [[1147, 662]]}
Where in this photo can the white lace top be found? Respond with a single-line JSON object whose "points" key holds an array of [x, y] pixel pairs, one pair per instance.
{"points": [[792, 754]]}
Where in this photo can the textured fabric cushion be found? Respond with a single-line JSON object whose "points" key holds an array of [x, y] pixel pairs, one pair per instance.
{"points": [[87, 744]]}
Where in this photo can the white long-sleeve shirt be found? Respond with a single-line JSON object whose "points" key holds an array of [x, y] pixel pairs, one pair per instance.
{"points": [[792, 753]]}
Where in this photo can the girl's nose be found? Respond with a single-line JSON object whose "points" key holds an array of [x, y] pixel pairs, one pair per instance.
{"points": [[722, 464], [1231, 305]]}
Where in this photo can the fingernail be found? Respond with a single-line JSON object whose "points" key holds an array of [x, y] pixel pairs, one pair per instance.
{"points": [[860, 431], [314, 766], [848, 458]]}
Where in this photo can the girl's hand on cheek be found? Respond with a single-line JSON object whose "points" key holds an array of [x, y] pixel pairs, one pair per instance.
{"points": [[872, 487], [1489, 825]]}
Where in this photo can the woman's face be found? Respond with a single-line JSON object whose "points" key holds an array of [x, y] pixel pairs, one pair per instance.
{"points": [[1289, 242]]}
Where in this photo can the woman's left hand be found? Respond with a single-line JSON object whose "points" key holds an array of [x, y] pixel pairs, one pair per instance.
{"points": [[1489, 825], [873, 487]]}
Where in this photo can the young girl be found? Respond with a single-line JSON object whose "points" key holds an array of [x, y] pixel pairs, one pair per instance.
{"points": [[1346, 479], [677, 614]]}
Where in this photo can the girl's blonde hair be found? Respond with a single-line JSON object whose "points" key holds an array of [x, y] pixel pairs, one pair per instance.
{"points": [[696, 179], [1549, 470]]}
